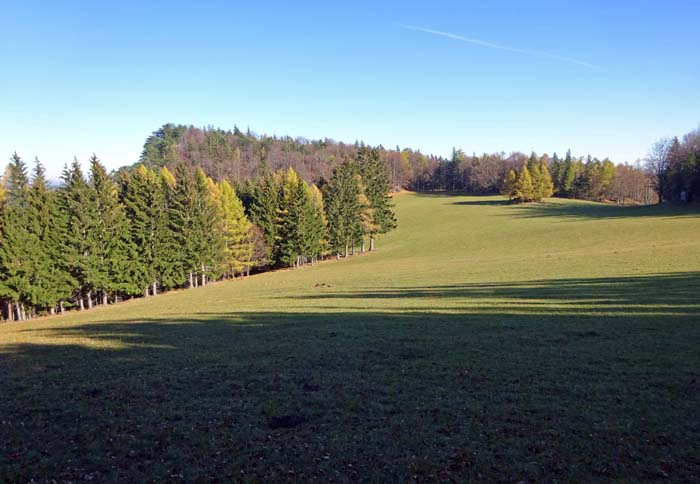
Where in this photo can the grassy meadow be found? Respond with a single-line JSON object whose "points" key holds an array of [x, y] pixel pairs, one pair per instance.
{"points": [[481, 341]]}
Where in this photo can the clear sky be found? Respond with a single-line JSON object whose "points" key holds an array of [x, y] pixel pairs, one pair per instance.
{"points": [[599, 77]]}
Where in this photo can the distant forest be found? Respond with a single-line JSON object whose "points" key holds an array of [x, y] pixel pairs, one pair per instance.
{"points": [[237, 156]]}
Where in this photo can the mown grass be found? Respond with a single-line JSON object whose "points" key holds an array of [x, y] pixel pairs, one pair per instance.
{"points": [[482, 341]]}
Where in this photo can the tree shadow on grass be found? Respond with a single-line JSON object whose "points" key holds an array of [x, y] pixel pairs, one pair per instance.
{"points": [[577, 379], [593, 211], [482, 203]]}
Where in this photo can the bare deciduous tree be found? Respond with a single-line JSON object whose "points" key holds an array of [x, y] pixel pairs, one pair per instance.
{"points": [[657, 163]]}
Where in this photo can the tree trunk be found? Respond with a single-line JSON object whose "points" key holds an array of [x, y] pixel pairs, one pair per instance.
{"points": [[18, 312], [145, 292], [371, 244], [81, 303], [155, 288], [104, 298], [346, 250], [204, 276], [52, 311], [363, 245], [60, 307], [8, 310], [89, 299], [352, 251], [191, 281]]}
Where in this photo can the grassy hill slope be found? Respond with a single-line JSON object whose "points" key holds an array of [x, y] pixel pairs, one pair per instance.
{"points": [[482, 340]]}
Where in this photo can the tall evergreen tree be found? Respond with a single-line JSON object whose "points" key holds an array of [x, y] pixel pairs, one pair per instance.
{"points": [[377, 189], [19, 247], [143, 198], [110, 269], [264, 208], [342, 209]]}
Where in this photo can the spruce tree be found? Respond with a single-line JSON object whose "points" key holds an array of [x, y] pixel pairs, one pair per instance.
{"points": [[377, 189], [111, 270], [170, 260], [52, 282], [342, 210], [19, 247], [207, 220], [263, 211], [78, 205], [289, 219]]}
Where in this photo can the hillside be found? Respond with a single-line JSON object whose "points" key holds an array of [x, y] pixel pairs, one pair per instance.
{"points": [[552, 341]]}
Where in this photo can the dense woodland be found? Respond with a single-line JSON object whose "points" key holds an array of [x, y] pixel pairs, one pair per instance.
{"points": [[207, 204], [105, 237]]}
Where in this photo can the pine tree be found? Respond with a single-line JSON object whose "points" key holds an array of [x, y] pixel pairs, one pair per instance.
{"points": [[377, 189], [238, 248], [523, 191], [508, 185]]}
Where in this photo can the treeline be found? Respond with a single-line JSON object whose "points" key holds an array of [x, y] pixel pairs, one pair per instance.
{"points": [[238, 156], [572, 177], [675, 168], [137, 232]]}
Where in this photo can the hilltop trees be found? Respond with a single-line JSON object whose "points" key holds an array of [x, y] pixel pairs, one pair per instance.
{"points": [[105, 237]]}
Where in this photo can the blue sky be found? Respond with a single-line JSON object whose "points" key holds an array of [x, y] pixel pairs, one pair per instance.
{"points": [[599, 77]]}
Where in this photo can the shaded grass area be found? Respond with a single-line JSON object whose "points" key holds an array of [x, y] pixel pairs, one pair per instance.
{"points": [[538, 380]]}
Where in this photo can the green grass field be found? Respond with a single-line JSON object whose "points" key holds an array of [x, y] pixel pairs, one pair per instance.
{"points": [[485, 341]]}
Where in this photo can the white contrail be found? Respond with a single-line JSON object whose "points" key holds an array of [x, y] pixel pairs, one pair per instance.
{"points": [[490, 45]]}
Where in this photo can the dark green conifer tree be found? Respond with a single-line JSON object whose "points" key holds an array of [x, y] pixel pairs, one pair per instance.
{"points": [[377, 188]]}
